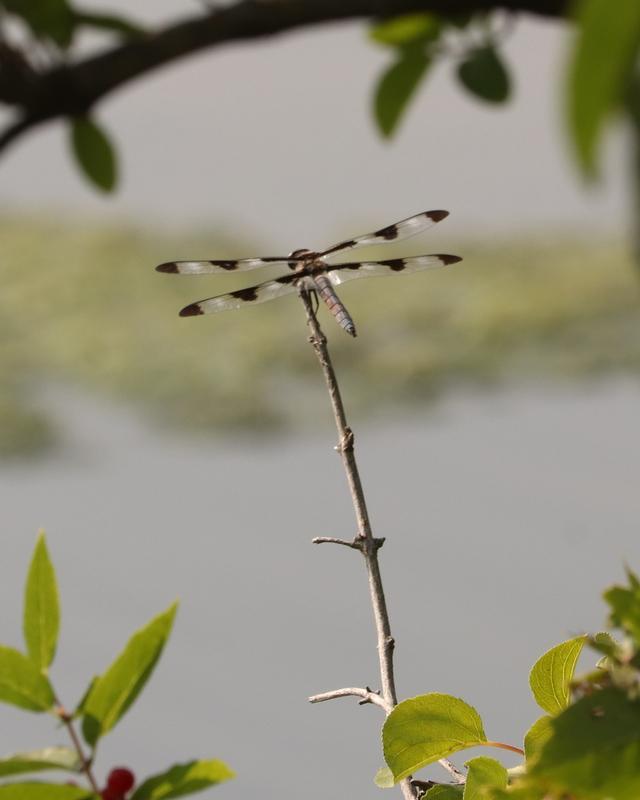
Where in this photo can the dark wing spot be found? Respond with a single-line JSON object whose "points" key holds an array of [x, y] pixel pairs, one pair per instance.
{"points": [[286, 279], [356, 265], [388, 233], [396, 264], [230, 265], [436, 216], [449, 259], [248, 294], [191, 311], [170, 266], [341, 246]]}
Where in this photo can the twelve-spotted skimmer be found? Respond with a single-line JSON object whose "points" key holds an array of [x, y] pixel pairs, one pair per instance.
{"points": [[313, 271]]}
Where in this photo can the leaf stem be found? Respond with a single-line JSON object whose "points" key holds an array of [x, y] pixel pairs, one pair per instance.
{"points": [[67, 720], [504, 746]]}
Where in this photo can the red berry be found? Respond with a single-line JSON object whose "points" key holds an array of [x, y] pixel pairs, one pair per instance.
{"points": [[120, 781], [111, 794]]}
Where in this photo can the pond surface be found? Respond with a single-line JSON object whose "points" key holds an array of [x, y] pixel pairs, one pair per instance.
{"points": [[506, 514]]}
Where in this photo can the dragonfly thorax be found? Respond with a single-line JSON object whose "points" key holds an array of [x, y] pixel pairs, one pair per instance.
{"points": [[309, 257]]}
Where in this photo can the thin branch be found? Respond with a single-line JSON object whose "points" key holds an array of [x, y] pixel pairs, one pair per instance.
{"points": [[366, 694], [85, 763], [364, 536], [458, 775], [72, 89], [355, 544], [366, 543]]}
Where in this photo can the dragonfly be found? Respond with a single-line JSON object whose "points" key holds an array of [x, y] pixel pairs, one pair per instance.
{"points": [[314, 271]]}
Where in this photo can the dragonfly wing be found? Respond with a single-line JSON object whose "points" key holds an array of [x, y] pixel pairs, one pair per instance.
{"points": [[392, 233], [341, 273], [220, 266], [243, 297]]}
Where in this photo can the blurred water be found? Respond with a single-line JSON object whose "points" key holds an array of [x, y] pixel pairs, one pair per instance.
{"points": [[505, 514]]}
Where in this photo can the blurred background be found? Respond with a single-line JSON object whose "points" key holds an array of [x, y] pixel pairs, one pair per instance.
{"points": [[494, 403]]}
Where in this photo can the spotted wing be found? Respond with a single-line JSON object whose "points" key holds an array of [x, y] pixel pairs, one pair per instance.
{"points": [[244, 297], [340, 273], [392, 233], [238, 265]]}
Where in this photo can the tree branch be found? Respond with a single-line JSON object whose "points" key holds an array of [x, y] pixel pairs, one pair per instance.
{"points": [[73, 89]]}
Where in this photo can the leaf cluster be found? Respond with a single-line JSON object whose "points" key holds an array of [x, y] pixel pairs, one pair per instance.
{"points": [[585, 747], [603, 75], [25, 682], [417, 41]]}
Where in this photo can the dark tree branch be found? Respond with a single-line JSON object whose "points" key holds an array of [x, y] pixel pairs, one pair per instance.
{"points": [[72, 89]]}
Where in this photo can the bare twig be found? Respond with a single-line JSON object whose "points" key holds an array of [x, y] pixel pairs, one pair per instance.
{"points": [[355, 544], [73, 88], [364, 537], [85, 763], [365, 542], [366, 694], [458, 775]]}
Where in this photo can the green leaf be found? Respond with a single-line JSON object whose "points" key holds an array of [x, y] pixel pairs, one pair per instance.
{"points": [[37, 760], [625, 607], [604, 643], [384, 778], [443, 792], [551, 675], [114, 691], [603, 57], [396, 88], [182, 779], [406, 29], [21, 682], [94, 153], [536, 737], [484, 75], [594, 750], [41, 608], [424, 729], [484, 773], [44, 791], [634, 580]]}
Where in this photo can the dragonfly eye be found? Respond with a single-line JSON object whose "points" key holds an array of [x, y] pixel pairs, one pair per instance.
{"points": [[299, 253]]}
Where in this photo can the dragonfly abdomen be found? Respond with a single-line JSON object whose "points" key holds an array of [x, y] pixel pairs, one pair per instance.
{"points": [[335, 305]]}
